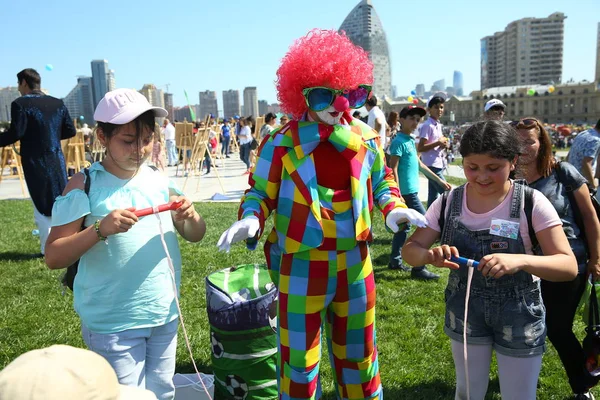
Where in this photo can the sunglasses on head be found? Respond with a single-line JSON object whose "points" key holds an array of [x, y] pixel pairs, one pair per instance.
{"points": [[526, 123], [320, 97]]}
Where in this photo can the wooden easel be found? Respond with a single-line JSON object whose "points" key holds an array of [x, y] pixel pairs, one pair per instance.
{"points": [[75, 155], [260, 121], [97, 149], [184, 140], [12, 153]]}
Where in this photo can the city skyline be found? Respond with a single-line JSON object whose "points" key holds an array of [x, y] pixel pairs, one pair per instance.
{"points": [[416, 55]]}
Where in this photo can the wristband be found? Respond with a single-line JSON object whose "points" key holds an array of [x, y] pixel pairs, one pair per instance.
{"points": [[97, 229]]}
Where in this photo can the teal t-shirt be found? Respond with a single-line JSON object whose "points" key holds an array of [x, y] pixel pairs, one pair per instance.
{"points": [[125, 283], [403, 146]]}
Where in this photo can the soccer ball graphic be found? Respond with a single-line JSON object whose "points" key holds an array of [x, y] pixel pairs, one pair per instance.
{"points": [[217, 347], [237, 387]]}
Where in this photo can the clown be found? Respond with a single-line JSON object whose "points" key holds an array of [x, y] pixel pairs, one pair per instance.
{"points": [[320, 175]]}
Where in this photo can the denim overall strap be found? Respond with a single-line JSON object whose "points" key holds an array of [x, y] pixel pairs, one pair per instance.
{"points": [[453, 213]]}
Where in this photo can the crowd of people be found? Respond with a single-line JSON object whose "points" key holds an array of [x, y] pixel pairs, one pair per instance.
{"points": [[534, 248]]}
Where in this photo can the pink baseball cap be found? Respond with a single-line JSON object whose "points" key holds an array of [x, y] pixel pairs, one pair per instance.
{"points": [[122, 106]]}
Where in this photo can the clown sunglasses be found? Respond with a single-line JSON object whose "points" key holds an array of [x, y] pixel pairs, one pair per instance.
{"points": [[319, 98]]}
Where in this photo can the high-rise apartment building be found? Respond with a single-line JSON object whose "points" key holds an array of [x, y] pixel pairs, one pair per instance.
{"points": [[231, 103], [7, 96], [598, 55], [80, 100], [251, 102], [420, 89], [168, 100], [155, 96], [364, 29], [438, 86], [457, 83], [208, 104], [263, 106], [529, 51], [103, 80]]}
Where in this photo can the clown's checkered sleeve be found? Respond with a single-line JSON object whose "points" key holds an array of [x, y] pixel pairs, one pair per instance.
{"points": [[385, 190], [261, 199]]}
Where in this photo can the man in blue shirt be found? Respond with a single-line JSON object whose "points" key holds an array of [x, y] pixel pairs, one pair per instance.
{"points": [[405, 163]]}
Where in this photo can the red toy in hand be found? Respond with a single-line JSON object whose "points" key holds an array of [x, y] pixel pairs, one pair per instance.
{"points": [[174, 205]]}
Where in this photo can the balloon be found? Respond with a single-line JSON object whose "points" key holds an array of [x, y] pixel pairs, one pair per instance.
{"points": [[531, 92], [551, 89], [410, 99], [81, 117], [413, 92], [415, 101], [49, 67]]}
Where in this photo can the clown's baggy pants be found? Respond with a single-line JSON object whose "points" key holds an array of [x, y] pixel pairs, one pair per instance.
{"points": [[337, 288]]}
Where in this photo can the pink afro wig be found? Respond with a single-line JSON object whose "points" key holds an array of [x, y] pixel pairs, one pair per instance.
{"points": [[321, 58]]}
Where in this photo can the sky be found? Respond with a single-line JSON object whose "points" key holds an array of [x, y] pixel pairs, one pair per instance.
{"points": [[230, 44]]}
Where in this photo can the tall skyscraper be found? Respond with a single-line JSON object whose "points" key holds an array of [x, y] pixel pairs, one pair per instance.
{"points": [[103, 80], [7, 96], [598, 55], [155, 96], [231, 103], [263, 105], [251, 102], [420, 89], [438, 86], [208, 104], [364, 29], [168, 97], [529, 51], [80, 101], [457, 83]]}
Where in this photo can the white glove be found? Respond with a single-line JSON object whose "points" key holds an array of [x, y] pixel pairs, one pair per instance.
{"points": [[401, 215], [240, 230]]}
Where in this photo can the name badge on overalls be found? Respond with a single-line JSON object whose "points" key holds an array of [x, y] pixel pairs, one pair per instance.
{"points": [[507, 229]]}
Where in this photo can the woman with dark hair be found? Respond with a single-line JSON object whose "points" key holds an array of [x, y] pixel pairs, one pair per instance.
{"points": [[561, 183], [485, 221]]}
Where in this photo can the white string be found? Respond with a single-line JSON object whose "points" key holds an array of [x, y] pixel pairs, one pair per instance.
{"points": [[172, 270], [470, 270]]}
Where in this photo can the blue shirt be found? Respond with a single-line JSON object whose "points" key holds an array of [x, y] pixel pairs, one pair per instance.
{"points": [[403, 147], [586, 144], [126, 283], [225, 131]]}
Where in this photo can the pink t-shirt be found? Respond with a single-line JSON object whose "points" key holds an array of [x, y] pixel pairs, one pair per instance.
{"points": [[543, 215]]}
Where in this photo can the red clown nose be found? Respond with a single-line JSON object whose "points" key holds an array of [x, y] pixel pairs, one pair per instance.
{"points": [[341, 104]]}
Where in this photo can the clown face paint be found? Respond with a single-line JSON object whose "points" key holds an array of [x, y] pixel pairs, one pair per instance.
{"points": [[328, 116]]}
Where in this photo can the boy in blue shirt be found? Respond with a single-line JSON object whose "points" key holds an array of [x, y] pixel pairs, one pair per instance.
{"points": [[405, 163]]}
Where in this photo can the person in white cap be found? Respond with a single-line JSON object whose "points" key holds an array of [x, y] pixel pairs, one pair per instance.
{"points": [[124, 290], [494, 110], [62, 372]]}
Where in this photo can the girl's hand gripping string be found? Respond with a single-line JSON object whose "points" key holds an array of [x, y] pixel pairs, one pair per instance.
{"points": [[499, 264]]}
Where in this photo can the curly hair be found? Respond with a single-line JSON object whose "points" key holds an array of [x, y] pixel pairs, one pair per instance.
{"points": [[321, 58]]}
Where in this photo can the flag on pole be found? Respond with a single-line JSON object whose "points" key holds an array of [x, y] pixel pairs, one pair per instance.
{"points": [[192, 112]]}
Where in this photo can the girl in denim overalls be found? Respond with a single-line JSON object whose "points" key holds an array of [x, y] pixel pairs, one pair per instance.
{"points": [[485, 221]]}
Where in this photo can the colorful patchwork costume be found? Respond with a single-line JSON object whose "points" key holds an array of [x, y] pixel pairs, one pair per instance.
{"points": [[321, 181]]}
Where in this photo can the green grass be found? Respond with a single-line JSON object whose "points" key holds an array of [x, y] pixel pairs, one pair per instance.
{"points": [[415, 358]]}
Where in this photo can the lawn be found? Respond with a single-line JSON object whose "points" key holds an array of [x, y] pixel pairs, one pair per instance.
{"points": [[415, 358]]}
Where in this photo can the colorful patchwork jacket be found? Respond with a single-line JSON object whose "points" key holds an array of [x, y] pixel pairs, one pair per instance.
{"points": [[284, 180]]}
